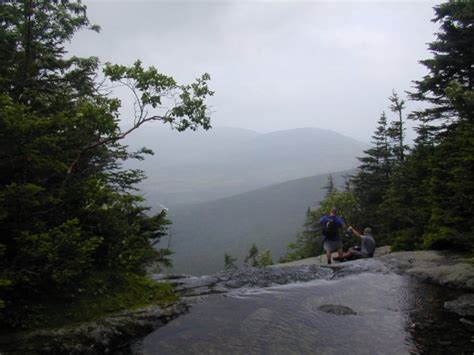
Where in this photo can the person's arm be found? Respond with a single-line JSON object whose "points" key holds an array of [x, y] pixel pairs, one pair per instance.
{"points": [[341, 222], [354, 232]]}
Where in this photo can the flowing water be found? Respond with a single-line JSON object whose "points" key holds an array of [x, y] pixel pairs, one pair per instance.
{"points": [[363, 313]]}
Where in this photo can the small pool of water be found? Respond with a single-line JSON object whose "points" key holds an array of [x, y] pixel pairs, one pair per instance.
{"points": [[388, 314]]}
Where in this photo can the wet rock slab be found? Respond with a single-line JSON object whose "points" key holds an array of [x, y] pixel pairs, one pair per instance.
{"points": [[464, 305], [435, 267], [469, 324], [190, 286], [359, 266], [106, 335]]}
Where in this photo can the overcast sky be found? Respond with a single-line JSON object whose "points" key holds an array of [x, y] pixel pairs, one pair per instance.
{"points": [[274, 65]]}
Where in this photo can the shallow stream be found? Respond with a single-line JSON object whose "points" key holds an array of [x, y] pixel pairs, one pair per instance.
{"points": [[357, 313]]}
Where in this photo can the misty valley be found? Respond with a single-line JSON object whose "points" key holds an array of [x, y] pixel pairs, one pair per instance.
{"points": [[238, 188]]}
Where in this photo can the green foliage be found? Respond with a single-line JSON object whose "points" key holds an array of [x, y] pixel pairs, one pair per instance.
{"points": [[107, 292], [404, 240], [264, 258], [309, 242], [252, 256], [258, 258], [330, 187], [452, 59], [427, 199], [380, 167], [67, 211], [97, 295], [441, 238], [3, 282], [152, 88], [33, 69], [58, 256], [229, 262], [305, 246], [373, 177], [397, 130], [346, 203]]}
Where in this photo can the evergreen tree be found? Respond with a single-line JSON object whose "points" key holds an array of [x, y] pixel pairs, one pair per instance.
{"points": [[33, 68], [372, 179], [252, 256], [429, 199], [264, 258], [397, 130], [445, 139], [229, 262], [307, 243], [452, 191], [347, 182], [329, 187], [67, 207], [450, 69]]}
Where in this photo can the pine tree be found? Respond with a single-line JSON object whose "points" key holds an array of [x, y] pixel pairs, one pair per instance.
{"points": [[347, 182], [229, 262], [432, 195], [329, 187], [450, 69], [372, 179], [252, 256], [264, 258], [397, 130], [33, 67], [68, 210]]}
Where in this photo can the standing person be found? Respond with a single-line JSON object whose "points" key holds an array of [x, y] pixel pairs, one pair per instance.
{"points": [[367, 245], [331, 239]]}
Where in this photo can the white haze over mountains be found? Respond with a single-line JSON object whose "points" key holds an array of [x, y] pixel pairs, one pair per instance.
{"points": [[191, 167], [274, 65]]}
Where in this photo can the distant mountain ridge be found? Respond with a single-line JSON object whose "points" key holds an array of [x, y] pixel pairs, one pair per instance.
{"points": [[193, 167], [269, 217]]}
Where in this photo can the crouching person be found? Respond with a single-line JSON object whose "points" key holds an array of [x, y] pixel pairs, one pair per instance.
{"points": [[367, 245]]}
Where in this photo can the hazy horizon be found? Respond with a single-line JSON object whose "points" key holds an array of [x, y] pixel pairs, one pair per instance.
{"points": [[274, 65]]}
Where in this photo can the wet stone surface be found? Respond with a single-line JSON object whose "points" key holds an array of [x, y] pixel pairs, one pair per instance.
{"points": [[226, 281], [359, 307], [106, 335], [464, 305]]}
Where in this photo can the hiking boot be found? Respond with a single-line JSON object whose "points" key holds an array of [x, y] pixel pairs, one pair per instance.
{"points": [[336, 258], [329, 261]]}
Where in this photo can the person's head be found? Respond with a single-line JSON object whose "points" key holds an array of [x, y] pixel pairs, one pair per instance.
{"points": [[367, 231], [333, 211]]}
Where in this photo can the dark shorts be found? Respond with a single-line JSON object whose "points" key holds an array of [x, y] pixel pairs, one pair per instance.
{"points": [[332, 245]]}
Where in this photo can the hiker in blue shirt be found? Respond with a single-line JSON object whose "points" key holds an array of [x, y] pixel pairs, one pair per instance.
{"points": [[331, 239]]}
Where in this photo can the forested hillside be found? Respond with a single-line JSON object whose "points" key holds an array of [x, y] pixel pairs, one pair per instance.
{"points": [[421, 196], [270, 217], [424, 196]]}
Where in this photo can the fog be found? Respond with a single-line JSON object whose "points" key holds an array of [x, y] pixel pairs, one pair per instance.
{"points": [[274, 65]]}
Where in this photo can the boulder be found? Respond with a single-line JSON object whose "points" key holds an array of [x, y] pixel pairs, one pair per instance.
{"points": [[442, 268], [464, 305], [337, 309]]}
